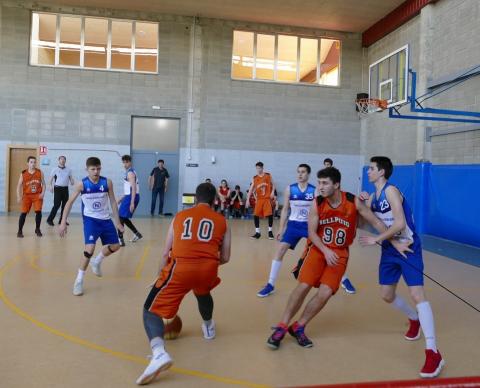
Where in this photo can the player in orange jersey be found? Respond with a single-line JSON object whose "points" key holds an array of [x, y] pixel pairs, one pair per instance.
{"points": [[264, 188], [332, 225], [30, 191], [198, 241]]}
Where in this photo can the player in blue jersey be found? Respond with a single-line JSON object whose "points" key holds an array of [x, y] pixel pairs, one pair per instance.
{"points": [[96, 192], [128, 202], [298, 199], [389, 205]]}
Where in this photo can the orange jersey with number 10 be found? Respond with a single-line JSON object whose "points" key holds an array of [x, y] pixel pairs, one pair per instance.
{"points": [[337, 226], [263, 185], [198, 233]]}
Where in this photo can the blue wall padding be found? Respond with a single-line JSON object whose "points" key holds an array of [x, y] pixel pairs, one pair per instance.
{"points": [[442, 198]]}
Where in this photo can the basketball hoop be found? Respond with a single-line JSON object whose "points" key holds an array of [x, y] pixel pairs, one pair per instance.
{"points": [[367, 106]]}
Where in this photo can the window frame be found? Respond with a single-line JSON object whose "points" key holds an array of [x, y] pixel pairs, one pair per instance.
{"points": [[299, 37], [82, 43]]}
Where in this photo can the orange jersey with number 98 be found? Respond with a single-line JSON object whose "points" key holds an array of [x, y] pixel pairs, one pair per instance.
{"points": [[337, 226], [263, 185], [198, 233]]}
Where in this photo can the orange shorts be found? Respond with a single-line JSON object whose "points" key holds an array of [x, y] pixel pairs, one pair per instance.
{"points": [[178, 278], [31, 199], [263, 207], [315, 271]]}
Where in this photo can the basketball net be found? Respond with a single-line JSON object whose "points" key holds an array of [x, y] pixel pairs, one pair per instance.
{"points": [[367, 106]]}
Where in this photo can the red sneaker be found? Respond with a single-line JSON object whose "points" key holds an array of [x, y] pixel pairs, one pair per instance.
{"points": [[433, 364], [413, 332]]}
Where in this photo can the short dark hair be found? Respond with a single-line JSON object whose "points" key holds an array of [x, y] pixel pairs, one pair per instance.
{"points": [[330, 172], [237, 187], [62, 156], [31, 157], [161, 161], [328, 160], [383, 163], [206, 193], [306, 166], [126, 158], [93, 161], [259, 164]]}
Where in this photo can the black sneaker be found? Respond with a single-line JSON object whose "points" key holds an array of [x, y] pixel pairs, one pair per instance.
{"points": [[271, 236], [20, 234], [299, 335], [50, 223], [136, 237], [38, 232], [121, 241], [276, 337], [256, 236]]}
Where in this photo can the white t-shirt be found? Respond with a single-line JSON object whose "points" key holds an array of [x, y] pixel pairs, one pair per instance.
{"points": [[62, 176]]}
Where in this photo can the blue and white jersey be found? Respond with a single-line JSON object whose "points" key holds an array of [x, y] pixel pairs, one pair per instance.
{"points": [[382, 209], [300, 202], [95, 203], [127, 187]]}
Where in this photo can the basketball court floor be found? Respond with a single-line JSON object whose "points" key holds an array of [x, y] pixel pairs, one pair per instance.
{"points": [[52, 339]]}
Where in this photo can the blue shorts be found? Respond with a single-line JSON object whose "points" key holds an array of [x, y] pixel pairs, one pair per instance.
{"points": [[393, 265], [124, 209], [294, 232], [93, 229]]}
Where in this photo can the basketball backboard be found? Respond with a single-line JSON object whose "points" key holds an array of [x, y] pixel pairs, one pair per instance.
{"points": [[388, 77]]}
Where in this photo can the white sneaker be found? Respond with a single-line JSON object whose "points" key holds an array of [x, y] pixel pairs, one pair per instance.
{"points": [[136, 237], [158, 363], [208, 331], [78, 288], [96, 268]]}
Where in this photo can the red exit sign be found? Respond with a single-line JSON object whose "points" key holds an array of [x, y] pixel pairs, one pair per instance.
{"points": [[43, 150]]}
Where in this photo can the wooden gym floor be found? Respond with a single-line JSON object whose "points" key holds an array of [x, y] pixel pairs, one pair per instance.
{"points": [[51, 338]]}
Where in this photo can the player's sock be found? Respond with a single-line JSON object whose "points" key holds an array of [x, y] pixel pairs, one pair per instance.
{"points": [[98, 259], [401, 304], [425, 315], [157, 345], [256, 221], [80, 276], [38, 220], [270, 222], [21, 221], [270, 229], [274, 270], [257, 230]]}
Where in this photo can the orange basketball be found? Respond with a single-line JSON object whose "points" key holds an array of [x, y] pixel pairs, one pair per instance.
{"points": [[173, 327]]}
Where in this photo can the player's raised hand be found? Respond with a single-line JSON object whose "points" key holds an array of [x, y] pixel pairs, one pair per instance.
{"points": [[62, 229], [402, 247], [367, 240], [330, 256], [364, 196]]}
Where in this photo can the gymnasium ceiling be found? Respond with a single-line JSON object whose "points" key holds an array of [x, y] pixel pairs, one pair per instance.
{"points": [[337, 15]]}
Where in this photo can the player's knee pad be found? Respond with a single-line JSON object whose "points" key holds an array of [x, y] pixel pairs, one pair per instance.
{"points": [[87, 255]]}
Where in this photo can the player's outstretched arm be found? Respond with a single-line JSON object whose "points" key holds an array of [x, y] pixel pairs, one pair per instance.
{"points": [[78, 188], [226, 247], [167, 248], [330, 256], [250, 190], [44, 186], [284, 213], [19, 188], [114, 206]]}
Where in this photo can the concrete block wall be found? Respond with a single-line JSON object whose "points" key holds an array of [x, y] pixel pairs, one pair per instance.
{"points": [[443, 43], [381, 135], [455, 49]]}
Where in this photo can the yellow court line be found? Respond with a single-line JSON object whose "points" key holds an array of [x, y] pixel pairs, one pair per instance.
{"points": [[138, 271], [102, 349]]}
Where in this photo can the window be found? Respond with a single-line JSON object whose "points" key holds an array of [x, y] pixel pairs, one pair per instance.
{"points": [[93, 43], [285, 58]]}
